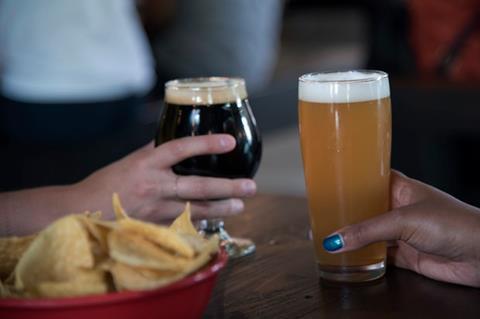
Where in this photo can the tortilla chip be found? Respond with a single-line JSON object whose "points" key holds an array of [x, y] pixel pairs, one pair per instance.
{"points": [[84, 283], [134, 250], [11, 249], [117, 208], [160, 235], [183, 223], [55, 254], [126, 277]]}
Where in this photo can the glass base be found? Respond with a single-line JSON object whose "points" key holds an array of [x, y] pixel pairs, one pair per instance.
{"points": [[239, 247], [352, 274], [235, 247]]}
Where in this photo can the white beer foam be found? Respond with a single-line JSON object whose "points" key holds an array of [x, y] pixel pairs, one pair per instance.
{"points": [[205, 91], [343, 87]]}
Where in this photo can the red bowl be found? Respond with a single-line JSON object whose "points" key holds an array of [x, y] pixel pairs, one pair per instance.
{"points": [[186, 298]]}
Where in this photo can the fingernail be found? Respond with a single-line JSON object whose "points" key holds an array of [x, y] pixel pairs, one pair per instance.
{"points": [[226, 142], [237, 206], [333, 243], [249, 188], [399, 173]]}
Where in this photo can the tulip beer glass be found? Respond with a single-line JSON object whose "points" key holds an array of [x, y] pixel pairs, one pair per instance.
{"points": [[201, 106]]}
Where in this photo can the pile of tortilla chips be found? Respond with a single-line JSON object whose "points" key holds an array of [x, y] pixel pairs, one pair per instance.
{"points": [[83, 254]]}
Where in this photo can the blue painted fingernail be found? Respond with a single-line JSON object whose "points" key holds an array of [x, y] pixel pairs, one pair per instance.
{"points": [[333, 243]]}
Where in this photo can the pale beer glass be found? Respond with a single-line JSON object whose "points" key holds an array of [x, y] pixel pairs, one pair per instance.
{"points": [[345, 134]]}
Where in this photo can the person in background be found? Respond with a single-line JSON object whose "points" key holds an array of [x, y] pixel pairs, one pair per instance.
{"points": [[66, 63], [71, 71], [221, 37], [428, 232]]}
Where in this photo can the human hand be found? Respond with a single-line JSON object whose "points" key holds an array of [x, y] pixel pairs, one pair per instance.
{"points": [[429, 232], [149, 189]]}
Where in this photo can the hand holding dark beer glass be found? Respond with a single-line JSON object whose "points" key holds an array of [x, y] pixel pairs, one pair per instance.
{"points": [[213, 105]]}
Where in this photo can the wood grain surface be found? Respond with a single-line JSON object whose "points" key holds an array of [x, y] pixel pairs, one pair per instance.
{"points": [[280, 280]]}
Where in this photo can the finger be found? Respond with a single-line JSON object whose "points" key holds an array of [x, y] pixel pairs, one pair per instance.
{"points": [[398, 174], [177, 150], [432, 266], [403, 256], [401, 190], [199, 209], [204, 188], [406, 191], [380, 228], [218, 208], [392, 243], [392, 255], [147, 147], [388, 226]]}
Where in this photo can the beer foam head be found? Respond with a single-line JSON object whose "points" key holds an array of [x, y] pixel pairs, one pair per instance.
{"points": [[205, 91], [343, 87]]}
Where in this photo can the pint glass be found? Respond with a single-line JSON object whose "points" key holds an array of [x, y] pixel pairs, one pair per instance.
{"points": [[345, 134]]}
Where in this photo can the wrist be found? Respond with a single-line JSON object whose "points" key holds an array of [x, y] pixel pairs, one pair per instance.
{"points": [[84, 196], [28, 211]]}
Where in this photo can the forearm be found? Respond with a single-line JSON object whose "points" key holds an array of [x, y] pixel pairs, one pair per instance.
{"points": [[27, 211]]}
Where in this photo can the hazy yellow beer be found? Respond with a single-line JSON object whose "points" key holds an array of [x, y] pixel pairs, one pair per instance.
{"points": [[345, 133]]}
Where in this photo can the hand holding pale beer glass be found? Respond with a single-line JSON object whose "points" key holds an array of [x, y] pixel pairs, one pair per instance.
{"points": [[202, 106], [345, 133]]}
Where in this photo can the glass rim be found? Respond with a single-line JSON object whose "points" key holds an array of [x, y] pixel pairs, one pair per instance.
{"points": [[192, 84], [382, 75]]}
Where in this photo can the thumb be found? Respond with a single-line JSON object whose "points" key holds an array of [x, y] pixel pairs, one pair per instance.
{"points": [[388, 226]]}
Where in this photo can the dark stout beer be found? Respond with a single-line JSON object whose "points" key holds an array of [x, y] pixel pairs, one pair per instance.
{"points": [[207, 106]]}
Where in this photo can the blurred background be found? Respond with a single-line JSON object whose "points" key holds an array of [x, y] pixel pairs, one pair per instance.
{"points": [[430, 49]]}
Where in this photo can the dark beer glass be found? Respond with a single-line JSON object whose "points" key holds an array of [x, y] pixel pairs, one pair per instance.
{"points": [[202, 106]]}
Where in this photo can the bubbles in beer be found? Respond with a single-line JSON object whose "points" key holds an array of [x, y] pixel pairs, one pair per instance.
{"points": [[205, 91], [343, 87]]}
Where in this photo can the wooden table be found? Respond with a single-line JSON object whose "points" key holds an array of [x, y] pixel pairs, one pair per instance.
{"points": [[280, 280]]}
